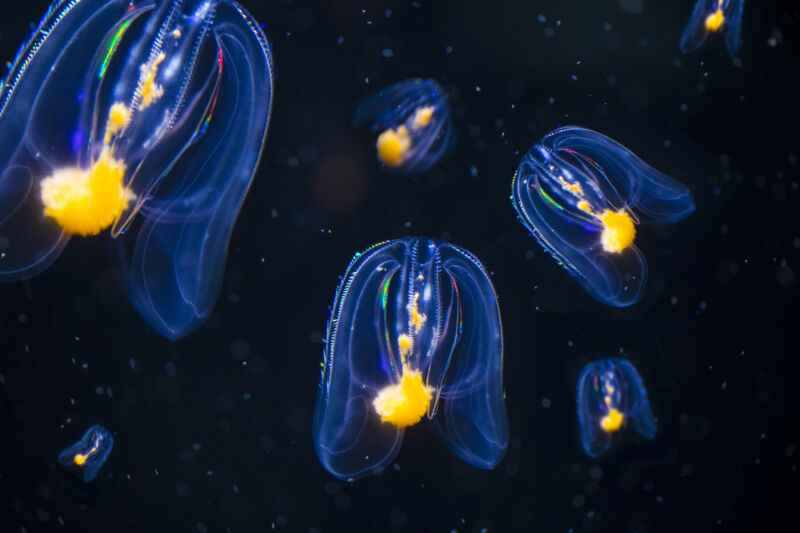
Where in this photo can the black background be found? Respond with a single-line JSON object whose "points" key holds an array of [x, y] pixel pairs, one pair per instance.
{"points": [[714, 337]]}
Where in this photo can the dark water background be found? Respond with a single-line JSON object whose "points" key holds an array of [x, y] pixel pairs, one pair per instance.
{"points": [[213, 432]]}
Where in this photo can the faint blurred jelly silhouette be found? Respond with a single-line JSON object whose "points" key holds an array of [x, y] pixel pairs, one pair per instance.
{"points": [[413, 117], [712, 16]]}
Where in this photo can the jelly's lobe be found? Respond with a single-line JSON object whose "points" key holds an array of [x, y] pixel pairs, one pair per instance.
{"points": [[180, 251]]}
